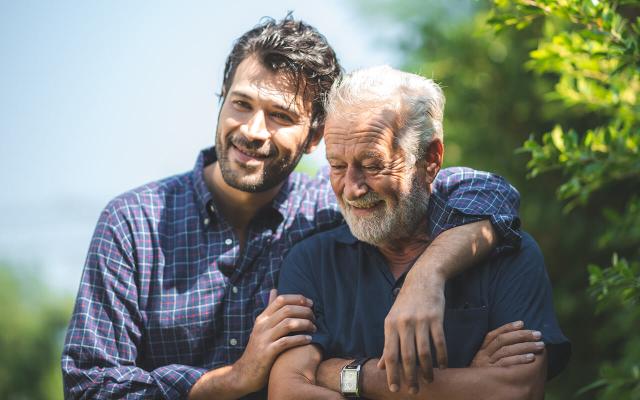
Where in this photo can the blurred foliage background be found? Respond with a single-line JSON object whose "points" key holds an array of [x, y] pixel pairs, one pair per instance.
{"points": [[545, 94], [32, 326], [541, 92]]}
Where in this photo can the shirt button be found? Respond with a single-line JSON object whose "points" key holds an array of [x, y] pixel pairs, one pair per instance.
{"points": [[206, 221], [234, 289], [396, 291], [228, 242], [233, 342]]}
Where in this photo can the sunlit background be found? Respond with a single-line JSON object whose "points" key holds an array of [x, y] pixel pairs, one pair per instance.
{"points": [[96, 98], [99, 97]]}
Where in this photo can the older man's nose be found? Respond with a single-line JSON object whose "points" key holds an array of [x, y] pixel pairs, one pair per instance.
{"points": [[355, 186], [256, 127]]}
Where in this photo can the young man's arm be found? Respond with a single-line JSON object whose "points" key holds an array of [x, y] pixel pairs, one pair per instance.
{"points": [[481, 212], [104, 338], [284, 315], [106, 328], [418, 312]]}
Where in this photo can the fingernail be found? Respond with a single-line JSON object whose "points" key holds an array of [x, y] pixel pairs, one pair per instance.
{"points": [[536, 334], [393, 388], [540, 345], [517, 324], [307, 337], [310, 302], [529, 356], [413, 390]]}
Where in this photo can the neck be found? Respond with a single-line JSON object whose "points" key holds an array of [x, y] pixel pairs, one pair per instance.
{"points": [[237, 207], [402, 253]]}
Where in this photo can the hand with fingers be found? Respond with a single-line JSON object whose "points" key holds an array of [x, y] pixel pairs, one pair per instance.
{"points": [[411, 324], [508, 345], [285, 314]]}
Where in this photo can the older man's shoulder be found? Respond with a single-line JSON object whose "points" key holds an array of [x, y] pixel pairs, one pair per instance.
{"points": [[325, 240], [525, 260]]}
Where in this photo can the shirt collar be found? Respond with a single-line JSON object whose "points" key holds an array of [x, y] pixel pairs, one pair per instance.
{"points": [[344, 235], [203, 195], [206, 157]]}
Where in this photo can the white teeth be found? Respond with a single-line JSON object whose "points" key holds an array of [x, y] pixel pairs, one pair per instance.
{"points": [[250, 154]]}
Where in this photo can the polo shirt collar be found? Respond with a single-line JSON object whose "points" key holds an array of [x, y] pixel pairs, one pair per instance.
{"points": [[344, 235]]}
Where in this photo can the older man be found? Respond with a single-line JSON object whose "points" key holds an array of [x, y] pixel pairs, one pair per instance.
{"points": [[384, 144]]}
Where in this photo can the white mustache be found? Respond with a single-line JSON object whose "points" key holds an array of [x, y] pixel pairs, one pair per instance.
{"points": [[366, 201]]}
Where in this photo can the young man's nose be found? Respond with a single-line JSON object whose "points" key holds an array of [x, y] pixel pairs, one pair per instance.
{"points": [[256, 127]]}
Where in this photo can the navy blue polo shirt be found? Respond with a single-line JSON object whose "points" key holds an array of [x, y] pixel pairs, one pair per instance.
{"points": [[353, 290]]}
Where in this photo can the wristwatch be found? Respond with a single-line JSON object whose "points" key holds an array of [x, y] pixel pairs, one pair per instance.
{"points": [[350, 378]]}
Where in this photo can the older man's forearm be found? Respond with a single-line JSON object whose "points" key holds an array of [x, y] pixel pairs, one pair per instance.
{"points": [[524, 381], [293, 376]]}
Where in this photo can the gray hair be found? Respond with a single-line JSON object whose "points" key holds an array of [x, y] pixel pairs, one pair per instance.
{"points": [[418, 102]]}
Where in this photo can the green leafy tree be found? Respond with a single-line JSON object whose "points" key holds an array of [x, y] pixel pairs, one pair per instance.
{"points": [[495, 101], [592, 49]]}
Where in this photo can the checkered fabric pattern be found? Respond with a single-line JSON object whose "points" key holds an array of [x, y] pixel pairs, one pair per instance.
{"points": [[166, 294]]}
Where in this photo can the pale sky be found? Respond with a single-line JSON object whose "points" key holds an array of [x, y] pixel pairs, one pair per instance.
{"points": [[98, 97]]}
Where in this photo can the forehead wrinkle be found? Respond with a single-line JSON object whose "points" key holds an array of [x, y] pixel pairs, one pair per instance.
{"points": [[367, 140]]}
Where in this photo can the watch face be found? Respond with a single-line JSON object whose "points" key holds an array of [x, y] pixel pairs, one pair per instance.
{"points": [[349, 381]]}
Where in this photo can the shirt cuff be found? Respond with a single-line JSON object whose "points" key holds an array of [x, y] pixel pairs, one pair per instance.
{"points": [[175, 381], [508, 229]]}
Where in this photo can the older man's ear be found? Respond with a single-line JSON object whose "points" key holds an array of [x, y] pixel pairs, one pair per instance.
{"points": [[433, 159]]}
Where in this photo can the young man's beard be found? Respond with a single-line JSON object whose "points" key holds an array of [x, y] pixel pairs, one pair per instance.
{"points": [[271, 175]]}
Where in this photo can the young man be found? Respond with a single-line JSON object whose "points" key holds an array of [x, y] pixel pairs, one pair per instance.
{"points": [[176, 296], [384, 144]]}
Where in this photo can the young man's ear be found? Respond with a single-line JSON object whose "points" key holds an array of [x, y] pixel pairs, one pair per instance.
{"points": [[316, 136], [433, 159]]}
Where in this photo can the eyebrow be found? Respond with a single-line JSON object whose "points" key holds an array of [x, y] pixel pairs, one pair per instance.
{"points": [[372, 154], [279, 106], [367, 154]]}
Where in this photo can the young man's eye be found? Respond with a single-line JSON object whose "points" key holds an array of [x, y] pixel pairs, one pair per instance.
{"points": [[243, 105], [282, 117]]}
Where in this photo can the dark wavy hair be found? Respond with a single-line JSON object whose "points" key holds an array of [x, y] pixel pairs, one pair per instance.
{"points": [[295, 49]]}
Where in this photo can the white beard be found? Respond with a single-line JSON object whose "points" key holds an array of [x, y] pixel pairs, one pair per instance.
{"points": [[388, 224]]}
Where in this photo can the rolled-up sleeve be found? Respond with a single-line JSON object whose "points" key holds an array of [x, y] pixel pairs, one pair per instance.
{"points": [[471, 196], [104, 334]]}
